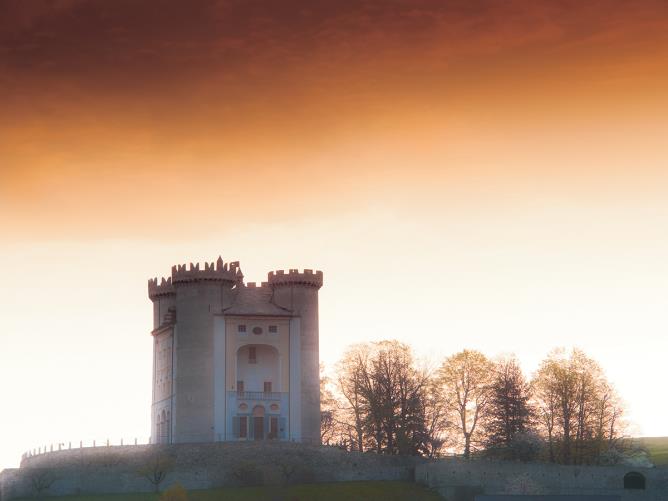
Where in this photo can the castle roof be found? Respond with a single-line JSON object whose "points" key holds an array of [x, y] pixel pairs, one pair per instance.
{"points": [[252, 300]]}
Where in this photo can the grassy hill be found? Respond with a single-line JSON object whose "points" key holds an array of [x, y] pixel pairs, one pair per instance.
{"points": [[657, 448], [358, 491]]}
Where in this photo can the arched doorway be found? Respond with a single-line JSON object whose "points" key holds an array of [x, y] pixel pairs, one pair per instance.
{"points": [[634, 480], [258, 422]]}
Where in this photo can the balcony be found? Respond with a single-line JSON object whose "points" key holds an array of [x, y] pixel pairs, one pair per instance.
{"points": [[256, 395]]}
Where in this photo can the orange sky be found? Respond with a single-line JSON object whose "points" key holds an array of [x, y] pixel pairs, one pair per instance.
{"points": [[497, 169], [129, 101]]}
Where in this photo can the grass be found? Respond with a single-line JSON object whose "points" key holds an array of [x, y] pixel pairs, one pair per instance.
{"points": [[657, 448], [358, 491]]}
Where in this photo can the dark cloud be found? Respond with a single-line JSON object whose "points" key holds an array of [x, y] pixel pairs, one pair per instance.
{"points": [[188, 54], [188, 68], [130, 42]]}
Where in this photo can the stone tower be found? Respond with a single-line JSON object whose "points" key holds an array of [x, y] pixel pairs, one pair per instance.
{"points": [[235, 361]]}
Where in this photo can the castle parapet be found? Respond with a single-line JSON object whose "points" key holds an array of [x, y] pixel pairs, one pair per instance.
{"points": [[307, 278], [220, 272], [164, 288]]}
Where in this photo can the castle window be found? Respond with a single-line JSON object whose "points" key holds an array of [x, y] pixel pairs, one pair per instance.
{"points": [[267, 386], [241, 328], [240, 386], [243, 427], [252, 355], [257, 330], [273, 329]]}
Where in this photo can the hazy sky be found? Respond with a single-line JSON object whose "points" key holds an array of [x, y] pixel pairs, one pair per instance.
{"points": [[481, 174]]}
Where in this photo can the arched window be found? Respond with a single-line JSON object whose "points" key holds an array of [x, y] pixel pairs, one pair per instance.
{"points": [[634, 480], [168, 428], [163, 428]]}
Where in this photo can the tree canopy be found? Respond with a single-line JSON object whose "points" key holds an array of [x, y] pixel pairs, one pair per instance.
{"points": [[381, 399]]}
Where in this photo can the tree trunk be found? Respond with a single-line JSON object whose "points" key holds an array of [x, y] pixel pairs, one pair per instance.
{"points": [[467, 445]]}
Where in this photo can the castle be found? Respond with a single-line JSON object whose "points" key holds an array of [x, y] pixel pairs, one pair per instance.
{"points": [[235, 361]]}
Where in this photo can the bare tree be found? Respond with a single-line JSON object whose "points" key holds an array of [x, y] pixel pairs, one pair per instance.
{"points": [[435, 418], [40, 479], [158, 464], [547, 399], [328, 411], [465, 380], [351, 371]]}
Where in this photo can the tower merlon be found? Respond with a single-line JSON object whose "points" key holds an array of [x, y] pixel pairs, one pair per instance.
{"points": [[220, 271], [307, 278], [164, 288]]}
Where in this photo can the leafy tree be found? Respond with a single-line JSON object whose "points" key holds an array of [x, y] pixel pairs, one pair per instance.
{"points": [[386, 400], [579, 409], [465, 381], [393, 391], [509, 414]]}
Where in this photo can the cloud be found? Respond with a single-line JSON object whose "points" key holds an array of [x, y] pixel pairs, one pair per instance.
{"points": [[103, 42], [94, 93]]}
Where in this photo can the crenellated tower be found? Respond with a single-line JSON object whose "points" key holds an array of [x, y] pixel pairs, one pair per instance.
{"points": [[298, 292], [235, 361]]}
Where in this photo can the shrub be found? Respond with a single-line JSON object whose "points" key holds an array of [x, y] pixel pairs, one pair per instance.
{"points": [[525, 447], [175, 493], [247, 473]]}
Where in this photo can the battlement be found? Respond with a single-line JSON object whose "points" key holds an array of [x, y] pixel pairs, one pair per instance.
{"points": [[307, 278], [219, 271], [255, 285], [164, 288]]}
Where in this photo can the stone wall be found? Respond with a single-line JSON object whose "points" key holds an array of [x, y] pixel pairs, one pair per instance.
{"points": [[196, 466], [459, 480], [117, 469]]}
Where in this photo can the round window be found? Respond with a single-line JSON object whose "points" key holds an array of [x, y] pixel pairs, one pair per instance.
{"points": [[257, 330]]}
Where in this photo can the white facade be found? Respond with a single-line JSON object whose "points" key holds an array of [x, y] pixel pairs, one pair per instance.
{"points": [[229, 358]]}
